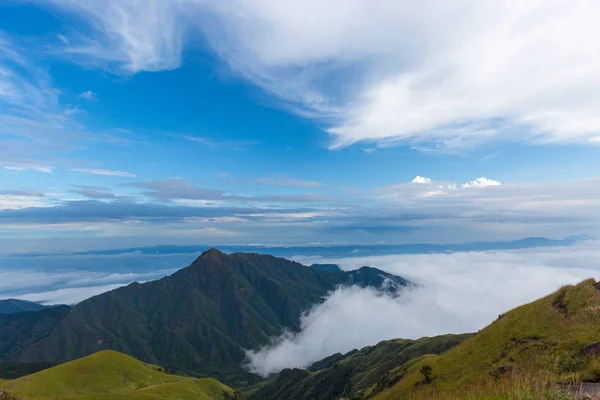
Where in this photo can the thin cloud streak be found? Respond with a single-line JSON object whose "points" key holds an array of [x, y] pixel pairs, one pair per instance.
{"points": [[106, 172]]}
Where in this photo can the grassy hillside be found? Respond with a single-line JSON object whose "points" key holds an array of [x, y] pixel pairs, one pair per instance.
{"points": [[112, 375], [528, 353], [351, 375]]}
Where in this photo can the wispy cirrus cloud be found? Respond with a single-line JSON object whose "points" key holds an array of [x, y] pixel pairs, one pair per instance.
{"points": [[19, 167], [285, 181], [176, 189], [38, 129], [31, 116], [214, 144], [453, 74], [106, 172], [94, 192]]}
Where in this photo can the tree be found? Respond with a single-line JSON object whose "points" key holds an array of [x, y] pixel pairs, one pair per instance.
{"points": [[426, 371]]}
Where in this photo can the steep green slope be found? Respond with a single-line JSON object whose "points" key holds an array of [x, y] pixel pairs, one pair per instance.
{"points": [[524, 354], [19, 331], [199, 320], [11, 306], [113, 375], [352, 375]]}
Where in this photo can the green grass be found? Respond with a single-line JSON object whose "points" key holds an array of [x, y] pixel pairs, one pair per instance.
{"points": [[542, 340], [112, 375]]}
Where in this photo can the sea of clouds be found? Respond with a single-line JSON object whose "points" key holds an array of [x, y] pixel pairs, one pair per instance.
{"points": [[456, 293]]}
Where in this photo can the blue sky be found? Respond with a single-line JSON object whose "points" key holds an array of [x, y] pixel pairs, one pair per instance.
{"points": [[127, 123]]}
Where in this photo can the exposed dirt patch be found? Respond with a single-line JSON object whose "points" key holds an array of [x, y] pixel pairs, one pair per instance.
{"points": [[591, 349], [588, 391], [504, 370], [559, 302]]}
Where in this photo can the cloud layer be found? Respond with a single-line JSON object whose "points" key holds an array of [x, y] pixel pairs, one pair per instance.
{"points": [[460, 292], [452, 73], [64, 286], [179, 212]]}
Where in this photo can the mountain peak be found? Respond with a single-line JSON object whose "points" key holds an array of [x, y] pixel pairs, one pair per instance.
{"points": [[211, 254]]}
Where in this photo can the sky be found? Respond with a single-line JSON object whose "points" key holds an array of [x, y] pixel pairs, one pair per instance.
{"points": [[128, 123]]}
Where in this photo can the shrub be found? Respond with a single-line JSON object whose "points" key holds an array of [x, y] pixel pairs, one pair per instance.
{"points": [[426, 371]]}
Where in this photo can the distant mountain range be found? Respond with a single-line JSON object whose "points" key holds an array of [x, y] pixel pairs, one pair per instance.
{"points": [[334, 250], [11, 306], [198, 321]]}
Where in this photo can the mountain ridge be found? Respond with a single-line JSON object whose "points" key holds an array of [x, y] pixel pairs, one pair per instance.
{"points": [[12, 306], [199, 320]]}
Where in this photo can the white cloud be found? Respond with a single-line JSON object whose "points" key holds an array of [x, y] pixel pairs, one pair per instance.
{"points": [[460, 292], [421, 179], [17, 201], [88, 95], [65, 286], [33, 119], [481, 182], [27, 166], [68, 296], [107, 172], [455, 73], [151, 41]]}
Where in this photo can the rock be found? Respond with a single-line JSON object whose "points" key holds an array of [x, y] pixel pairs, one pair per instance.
{"points": [[591, 349], [504, 370]]}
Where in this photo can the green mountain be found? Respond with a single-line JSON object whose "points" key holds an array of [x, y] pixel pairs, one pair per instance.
{"points": [[198, 321], [352, 375], [11, 306], [21, 330], [112, 375]]}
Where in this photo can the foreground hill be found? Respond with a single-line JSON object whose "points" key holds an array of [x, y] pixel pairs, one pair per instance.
{"points": [[11, 306], [353, 374], [112, 375], [199, 320], [537, 351]]}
